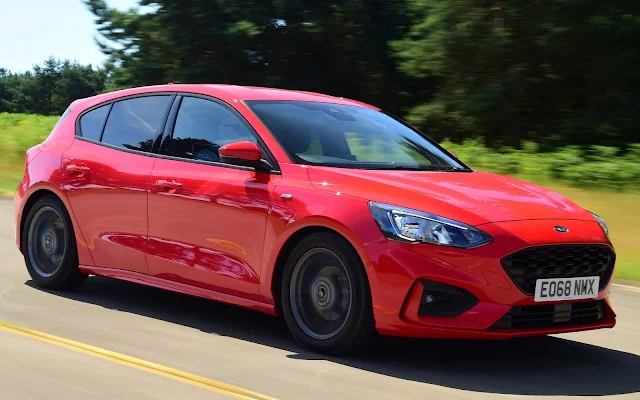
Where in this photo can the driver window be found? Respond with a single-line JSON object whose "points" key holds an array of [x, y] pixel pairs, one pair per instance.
{"points": [[202, 127]]}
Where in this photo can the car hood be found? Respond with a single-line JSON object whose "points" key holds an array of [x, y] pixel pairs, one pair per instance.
{"points": [[474, 198]]}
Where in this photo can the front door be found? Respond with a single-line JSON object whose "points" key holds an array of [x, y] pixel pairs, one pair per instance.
{"points": [[207, 219], [107, 171]]}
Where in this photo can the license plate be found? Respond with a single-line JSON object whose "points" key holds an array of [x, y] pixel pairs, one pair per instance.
{"points": [[567, 288]]}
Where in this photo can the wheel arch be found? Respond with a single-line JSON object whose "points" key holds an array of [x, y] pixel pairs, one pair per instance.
{"points": [[36, 194], [290, 243], [28, 204]]}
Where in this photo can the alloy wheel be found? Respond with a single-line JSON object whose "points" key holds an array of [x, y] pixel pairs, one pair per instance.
{"points": [[320, 294], [47, 241]]}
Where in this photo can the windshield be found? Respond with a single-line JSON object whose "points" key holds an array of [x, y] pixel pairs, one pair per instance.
{"points": [[349, 136]]}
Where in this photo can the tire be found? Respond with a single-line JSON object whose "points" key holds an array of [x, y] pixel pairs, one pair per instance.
{"points": [[325, 296], [49, 246]]}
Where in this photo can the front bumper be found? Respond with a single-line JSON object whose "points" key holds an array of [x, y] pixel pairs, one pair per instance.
{"points": [[397, 271]]}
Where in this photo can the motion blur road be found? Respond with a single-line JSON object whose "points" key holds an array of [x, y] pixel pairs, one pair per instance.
{"points": [[255, 352]]}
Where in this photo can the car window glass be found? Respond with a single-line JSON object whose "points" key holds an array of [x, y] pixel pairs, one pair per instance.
{"points": [[202, 127], [348, 136], [63, 116], [133, 124], [91, 123]]}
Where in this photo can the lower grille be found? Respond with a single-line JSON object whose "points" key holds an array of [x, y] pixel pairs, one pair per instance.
{"points": [[559, 261], [440, 300], [552, 315]]}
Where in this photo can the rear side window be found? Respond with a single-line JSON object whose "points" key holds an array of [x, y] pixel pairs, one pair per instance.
{"points": [[92, 122], [202, 127], [134, 124], [63, 116]]}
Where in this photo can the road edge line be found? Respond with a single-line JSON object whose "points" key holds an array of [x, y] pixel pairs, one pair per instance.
{"points": [[157, 369], [627, 287]]}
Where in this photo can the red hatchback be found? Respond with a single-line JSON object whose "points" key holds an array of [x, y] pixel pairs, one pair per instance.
{"points": [[327, 211]]}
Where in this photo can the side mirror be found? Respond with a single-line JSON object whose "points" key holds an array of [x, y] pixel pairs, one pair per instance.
{"points": [[246, 154]]}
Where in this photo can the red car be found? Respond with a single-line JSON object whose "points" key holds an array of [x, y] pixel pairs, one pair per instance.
{"points": [[327, 211]]}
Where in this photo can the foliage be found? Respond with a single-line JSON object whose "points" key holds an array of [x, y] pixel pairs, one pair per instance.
{"points": [[50, 88], [334, 47], [553, 71], [19, 132], [592, 167]]}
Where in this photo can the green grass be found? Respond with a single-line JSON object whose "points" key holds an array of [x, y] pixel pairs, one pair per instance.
{"points": [[18, 132], [595, 167], [608, 182], [10, 175]]}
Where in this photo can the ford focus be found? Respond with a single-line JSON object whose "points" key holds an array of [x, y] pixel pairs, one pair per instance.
{"points": [[329, 212]]}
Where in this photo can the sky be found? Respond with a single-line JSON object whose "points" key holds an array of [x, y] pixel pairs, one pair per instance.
{"points": [[33, 30]]}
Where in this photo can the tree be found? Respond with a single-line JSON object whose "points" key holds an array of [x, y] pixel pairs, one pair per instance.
{"points": [[338, 47], [50, 88], [507, 70]]}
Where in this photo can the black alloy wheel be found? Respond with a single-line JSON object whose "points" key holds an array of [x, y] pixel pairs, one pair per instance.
{"points": [[49, 245], [326, 297]]}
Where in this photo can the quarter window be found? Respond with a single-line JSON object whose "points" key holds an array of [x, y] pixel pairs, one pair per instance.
{"points": [[134, 124], [202, 127], [92, 122]]}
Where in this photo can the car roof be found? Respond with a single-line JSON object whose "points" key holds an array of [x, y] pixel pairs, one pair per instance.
{"points": [[227, 93]]}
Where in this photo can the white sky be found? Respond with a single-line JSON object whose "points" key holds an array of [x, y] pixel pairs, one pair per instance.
{"points": [[33, 30]]}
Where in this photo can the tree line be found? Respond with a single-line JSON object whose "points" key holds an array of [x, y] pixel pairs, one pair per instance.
{"points": [[553, 71], [48, 89]]}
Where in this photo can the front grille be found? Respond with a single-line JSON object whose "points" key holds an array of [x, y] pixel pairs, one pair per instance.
{"points": [[552, 315], [559, 261]]}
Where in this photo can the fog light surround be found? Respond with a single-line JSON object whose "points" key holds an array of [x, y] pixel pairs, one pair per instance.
{"points": [[442, 300]]}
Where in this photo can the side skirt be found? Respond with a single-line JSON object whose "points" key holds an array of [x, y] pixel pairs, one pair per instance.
{"points": [[160, 283]]}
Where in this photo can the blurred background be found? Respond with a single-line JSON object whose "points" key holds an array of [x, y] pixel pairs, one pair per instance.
{"points": [[543, 90]]}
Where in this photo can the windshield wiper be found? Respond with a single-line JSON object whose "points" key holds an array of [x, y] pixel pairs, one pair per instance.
{"points": [[455, 169], [402, 167], [422, 168], [392, 167]]}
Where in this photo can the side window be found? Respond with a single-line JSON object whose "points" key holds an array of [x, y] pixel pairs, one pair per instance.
{"points": [[91, 123], [133, 124], [63, 116], [202, 127]]}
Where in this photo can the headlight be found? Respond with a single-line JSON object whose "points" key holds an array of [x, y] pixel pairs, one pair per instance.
{"points": [[603, 224], [413, 226]]}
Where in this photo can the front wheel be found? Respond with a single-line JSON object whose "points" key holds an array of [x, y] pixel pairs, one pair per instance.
{"points": [[325, 296], [49, 246]]}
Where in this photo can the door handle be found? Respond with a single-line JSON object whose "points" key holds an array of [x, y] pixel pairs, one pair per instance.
{"points": [[78, 169], [169, 185]]}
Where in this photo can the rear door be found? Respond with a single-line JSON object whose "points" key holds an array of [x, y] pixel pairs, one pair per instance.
{"points": [[207, 219], [106, 177]]}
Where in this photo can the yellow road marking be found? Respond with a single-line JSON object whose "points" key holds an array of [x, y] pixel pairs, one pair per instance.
{"points": [[168, 372]]}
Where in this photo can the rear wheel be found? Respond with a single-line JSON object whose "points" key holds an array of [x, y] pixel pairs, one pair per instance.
{"points": [[325, 296], [49, 245]]}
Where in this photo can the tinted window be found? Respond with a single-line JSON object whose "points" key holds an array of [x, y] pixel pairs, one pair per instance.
{"points": [[349, 136], [91, 123], [133, 124], [202, 127]]}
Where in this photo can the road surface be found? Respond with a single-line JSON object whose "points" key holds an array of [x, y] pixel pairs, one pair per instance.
{"points": [[227, 345]]}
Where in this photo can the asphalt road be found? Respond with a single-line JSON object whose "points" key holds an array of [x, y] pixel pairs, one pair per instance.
{"points": [[254, 351]]}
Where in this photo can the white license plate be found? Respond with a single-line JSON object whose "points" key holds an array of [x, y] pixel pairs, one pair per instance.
{"points": [[567, 288]]}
